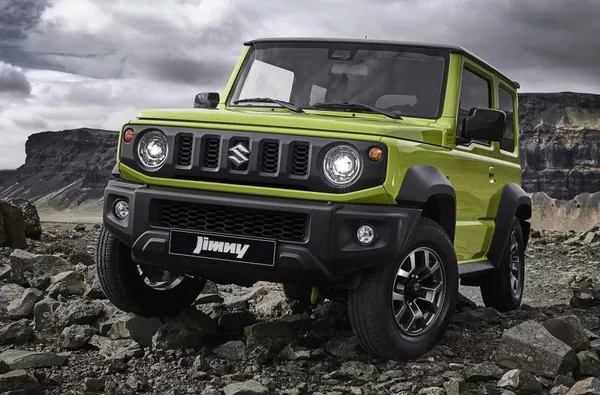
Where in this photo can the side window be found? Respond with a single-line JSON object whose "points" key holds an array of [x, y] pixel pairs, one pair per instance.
{"points": [[474, 92], [506, 104]]}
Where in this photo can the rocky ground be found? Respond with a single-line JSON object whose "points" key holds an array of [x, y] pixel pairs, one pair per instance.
{"points": [[58, 335]]}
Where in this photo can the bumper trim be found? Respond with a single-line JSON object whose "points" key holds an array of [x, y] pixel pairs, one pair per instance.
{"points": [[330, 253]]}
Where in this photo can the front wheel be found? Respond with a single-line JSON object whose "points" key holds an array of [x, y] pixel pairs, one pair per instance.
{"points": [[503, 289], [139, 289], [402, 309]]}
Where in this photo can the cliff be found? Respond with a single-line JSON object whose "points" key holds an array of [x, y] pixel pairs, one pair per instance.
{"points": [[63, 169], [560, 143]]}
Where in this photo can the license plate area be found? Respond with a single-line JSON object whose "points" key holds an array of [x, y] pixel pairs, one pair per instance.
{"points": [[222, 247]]}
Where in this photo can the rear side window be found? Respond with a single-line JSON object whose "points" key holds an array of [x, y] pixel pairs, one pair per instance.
{"points": [[506, 104], [474, 93]]}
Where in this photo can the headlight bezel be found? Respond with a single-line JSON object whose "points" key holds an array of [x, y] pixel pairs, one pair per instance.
{"points": [[328, 165], [146, 135]]}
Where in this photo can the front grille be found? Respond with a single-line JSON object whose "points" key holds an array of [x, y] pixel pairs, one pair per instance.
{"points": [[230, 220], [184, 151], [270, 158], [212, 148], [300, 159]]}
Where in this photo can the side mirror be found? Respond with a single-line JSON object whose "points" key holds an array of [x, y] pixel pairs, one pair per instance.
{"points": [[206, 100], [484, 124]]}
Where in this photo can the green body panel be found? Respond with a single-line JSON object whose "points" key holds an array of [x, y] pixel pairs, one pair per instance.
{"points": [[477, 172]]}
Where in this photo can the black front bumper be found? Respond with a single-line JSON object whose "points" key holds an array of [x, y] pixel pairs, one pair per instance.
{"points": [[327, 252]]}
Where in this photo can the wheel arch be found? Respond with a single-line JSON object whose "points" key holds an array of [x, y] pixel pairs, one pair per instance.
{"points": [[427, 188], [514, 202]]}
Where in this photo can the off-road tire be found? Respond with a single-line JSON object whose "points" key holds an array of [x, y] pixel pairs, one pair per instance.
{"points": [[298, 292], [123, 286], [496, 288], [370, 307]]}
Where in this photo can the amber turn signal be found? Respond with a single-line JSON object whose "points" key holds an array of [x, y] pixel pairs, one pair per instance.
{"points": [[375, 154], [129, 135]]}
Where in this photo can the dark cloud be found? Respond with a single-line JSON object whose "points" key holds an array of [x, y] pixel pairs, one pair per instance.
{"points": [[17, 17], [12, 80]]}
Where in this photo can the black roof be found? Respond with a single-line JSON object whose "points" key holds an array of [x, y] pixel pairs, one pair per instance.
{"points": [[446, 47]]}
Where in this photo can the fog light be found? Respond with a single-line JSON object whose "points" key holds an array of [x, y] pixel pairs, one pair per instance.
{"points": [[121, 209], [365, 235]]}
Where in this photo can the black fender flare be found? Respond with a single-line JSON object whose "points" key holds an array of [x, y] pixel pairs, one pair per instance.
{"points": [[420, 183], [514, 202]]}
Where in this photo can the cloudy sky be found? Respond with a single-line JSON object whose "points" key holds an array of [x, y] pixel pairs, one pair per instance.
{"points": [[96, 63]]}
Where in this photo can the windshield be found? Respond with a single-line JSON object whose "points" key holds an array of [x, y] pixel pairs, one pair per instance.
{"points": [[408, 81]]}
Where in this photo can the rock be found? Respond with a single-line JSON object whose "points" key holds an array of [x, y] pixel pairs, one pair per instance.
{"points": [[343, 347], [236, 321], [273, 305], [5, 269], [250, 387], [77, 311], [137, 382], [431, 391], [33, 227], [355, 370], [484, 371], [19, 359], [14, 226], [590, 237], [36, 270], [531, 347], [8, 293], [564, 379], [66, 283], [116, 349], [93, 290], [589, 386], [589, 363], [560, 390], [44, 314], [209, 298], [17, 332], [520, 382], [76, 336], [23, 306], [196, 320], [586, 294], [175, 335], [94, 384], [455, 386], [18, 381], [233, 351], [141, 329], [570, 330], [80, 228], [273, 335]]}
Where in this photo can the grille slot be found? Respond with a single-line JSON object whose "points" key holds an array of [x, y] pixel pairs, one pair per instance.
{"points": [[212, 148], [270, 157], [300, 159], [184, 150], [230, 220]]}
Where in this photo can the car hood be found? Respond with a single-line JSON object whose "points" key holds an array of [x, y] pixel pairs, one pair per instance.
{"points": [[317, 121]]}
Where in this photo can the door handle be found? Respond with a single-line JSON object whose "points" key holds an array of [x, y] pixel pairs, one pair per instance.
{"points": [[492, 174]]}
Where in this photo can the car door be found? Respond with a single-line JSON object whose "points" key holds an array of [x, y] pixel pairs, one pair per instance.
{"points": [[475, 177]]}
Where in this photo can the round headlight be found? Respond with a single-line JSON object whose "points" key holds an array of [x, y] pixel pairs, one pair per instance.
{"points": [[152, 150], [342, 165]]}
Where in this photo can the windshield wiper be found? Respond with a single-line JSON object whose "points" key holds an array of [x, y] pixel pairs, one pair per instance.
{"points": [[357, 106], [282, 103]]}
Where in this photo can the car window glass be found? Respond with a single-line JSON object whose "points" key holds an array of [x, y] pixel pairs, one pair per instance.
{"points": [[317, 94], [506, 104], [474, 93], [267, 80], [387, 101]]}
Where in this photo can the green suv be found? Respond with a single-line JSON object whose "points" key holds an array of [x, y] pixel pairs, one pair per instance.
{"points": [[387, 172]]}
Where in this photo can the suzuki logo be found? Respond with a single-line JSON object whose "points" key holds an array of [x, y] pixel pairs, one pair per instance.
{"points": [[239, 154]]}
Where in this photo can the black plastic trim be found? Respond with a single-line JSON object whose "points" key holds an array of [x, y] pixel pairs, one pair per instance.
{"points": [[373, 173], [421, 182], [514, 200], [328, 255], [472, 269]]}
